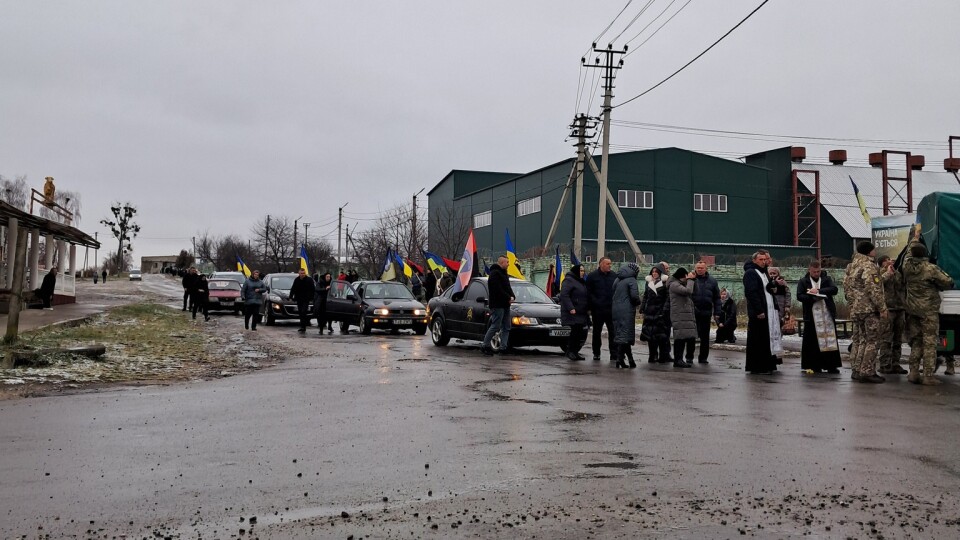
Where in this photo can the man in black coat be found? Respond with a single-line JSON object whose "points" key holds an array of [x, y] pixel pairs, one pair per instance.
{"points": [[573, 310], [189, 283], [301, 292], [49, 283], [429, 286], [600, 289], [501, 296], [706, 304]]}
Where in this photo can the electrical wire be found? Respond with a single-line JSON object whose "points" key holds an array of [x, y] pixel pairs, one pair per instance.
{"points": [[695, 58], [634, 19], [597, 39], [666, 22]]}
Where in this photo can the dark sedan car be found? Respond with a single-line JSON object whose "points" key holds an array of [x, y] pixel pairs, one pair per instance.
{"points": [[534, 316], [375, 304], [277, 304]]}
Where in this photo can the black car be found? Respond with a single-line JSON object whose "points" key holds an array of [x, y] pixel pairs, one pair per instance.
{"points": [[534, 316], [375, 304], [277, 303]]}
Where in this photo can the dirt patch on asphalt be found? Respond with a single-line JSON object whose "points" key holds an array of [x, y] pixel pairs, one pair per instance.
{"points": [[146, 343]]}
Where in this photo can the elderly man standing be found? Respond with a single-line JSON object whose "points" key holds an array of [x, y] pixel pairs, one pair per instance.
{"points": [[600, 290], [706, 303], [924, 281], [868, 308], [763, 324]]}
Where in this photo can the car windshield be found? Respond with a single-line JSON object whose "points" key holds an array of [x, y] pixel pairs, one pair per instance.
{"points": [[386, 291], [224, 285], [282, 282], [234, 276], [528, 293]]}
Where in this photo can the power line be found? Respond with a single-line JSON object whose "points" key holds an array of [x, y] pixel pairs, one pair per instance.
{"points": [[633, 20], [597, 39], [672, 75], [666, 22]]}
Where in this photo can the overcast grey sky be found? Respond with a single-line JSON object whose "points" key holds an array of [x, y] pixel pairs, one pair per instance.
{"points": [[208, 115]]}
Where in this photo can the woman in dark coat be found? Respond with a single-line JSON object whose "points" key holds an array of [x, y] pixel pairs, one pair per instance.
{"points": [[320, 302], [820, 350], [626, 298], [763, 321], [201, 297], [728, 318], [655, 308], [574, 300]]}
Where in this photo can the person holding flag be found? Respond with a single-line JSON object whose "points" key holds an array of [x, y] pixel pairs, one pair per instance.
{"points": [[242, 267], [388, 273], [301, 292], [501, 296]]}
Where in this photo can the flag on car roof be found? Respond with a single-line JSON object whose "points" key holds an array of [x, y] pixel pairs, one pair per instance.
{"points": [[241, 267], [860, 203], [303, 259], [466, 265], [388, 273], [513, 269]]}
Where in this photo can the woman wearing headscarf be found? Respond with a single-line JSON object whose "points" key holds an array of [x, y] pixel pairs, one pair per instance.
{"points": [[683, 317], [626, 298], [655, 308], [574, 300], [728, 318], [320, 302]]}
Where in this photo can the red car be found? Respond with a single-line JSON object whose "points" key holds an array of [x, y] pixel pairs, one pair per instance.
{"points": [[224, 296]]}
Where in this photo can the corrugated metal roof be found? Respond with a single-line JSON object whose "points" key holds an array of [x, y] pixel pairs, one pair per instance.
{"points": [[837, 198]]}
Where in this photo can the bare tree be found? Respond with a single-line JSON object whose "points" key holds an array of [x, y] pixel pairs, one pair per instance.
{"points": [[124, 230], [392, 230], [228, 248], [114, 265], [184, 259], [275, 241], [449, 227], [320, 256], [205, 243], [15, 192]]}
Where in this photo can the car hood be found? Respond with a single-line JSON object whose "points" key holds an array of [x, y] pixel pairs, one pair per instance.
{"points": [[394, 304], [546, 312]]}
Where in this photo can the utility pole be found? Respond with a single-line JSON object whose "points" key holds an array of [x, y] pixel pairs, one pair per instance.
{"points": [[296, 228], [609, 71], [266, 239], [194, 253], [339, 236], [579, 129], [306, 227], [413, 228]]}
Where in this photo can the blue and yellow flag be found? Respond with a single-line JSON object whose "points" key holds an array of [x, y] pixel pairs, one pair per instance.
{"points": [[574, 261], [407, 271], [860, 203], [303, 259], [513, 269], [559, 273], [241, 267], [388, 273], [435, 262]]}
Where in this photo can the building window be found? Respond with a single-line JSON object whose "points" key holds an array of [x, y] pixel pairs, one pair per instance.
{"points": [[635, 199], [528, 206], [707, 202], [483, 219]]}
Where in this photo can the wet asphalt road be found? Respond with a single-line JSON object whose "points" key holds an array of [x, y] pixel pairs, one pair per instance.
{"points": [[388, 436]]}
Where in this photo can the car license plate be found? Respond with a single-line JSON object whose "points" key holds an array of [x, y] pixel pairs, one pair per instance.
{"points": [[402, 321], [563, 332]]}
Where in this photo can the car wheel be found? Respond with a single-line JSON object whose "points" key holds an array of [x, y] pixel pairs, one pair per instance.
{"points": [[495, 342], [563, 347], [364, 325], [236, 312], [420, 329], [438, 334], [271, 320]]}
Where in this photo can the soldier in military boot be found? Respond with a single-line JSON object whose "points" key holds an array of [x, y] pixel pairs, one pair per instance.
{"points": [[851, 293], [892, 335], [923, 282], [868, 310]]}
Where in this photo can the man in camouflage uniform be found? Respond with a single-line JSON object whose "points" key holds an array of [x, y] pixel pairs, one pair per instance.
{"points": [[923, 281], [868, 309], [892, 337]]}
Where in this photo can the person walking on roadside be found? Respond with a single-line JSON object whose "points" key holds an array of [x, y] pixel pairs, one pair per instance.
{"points": [[574, 300], [252, 295], [706, 303], [320, 302], [47, 286], [923, 283], [189, 284], [892, 336], [501, 296], [655, 309], [727, 323], [302, 291], [201, 296], [763, 323], [820, 350], [600, 288], [868, 309], [104, 276], [682, 286], [626, 298]]}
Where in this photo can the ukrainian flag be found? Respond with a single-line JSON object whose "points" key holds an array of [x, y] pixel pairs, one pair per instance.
{"points": [[241, 267], [388, 273], [303, 259], [407, 271], [559, 273], [435, 262], [863, 205], [512, 268]]}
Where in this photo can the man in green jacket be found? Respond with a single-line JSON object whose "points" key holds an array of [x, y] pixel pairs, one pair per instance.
{"points": [[923, 281]]}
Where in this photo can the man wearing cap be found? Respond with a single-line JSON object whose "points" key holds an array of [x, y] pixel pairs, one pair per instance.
{"points": [[868, 309]]}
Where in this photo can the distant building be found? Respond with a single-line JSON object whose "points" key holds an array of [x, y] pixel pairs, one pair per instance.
{"points": [[156, 264]]}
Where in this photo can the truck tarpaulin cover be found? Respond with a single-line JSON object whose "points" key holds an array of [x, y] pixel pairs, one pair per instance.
{"points": [[940, 225]]}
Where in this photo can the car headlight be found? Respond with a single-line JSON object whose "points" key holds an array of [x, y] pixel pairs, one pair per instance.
{"points": [[419, 312], [381, 311], [524, 321]]}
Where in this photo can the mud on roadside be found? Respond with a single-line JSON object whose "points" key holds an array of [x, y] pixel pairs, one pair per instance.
{"points": [[146, 343]]}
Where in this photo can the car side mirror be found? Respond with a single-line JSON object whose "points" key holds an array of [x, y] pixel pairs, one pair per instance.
{"points": [[351, 298]]}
